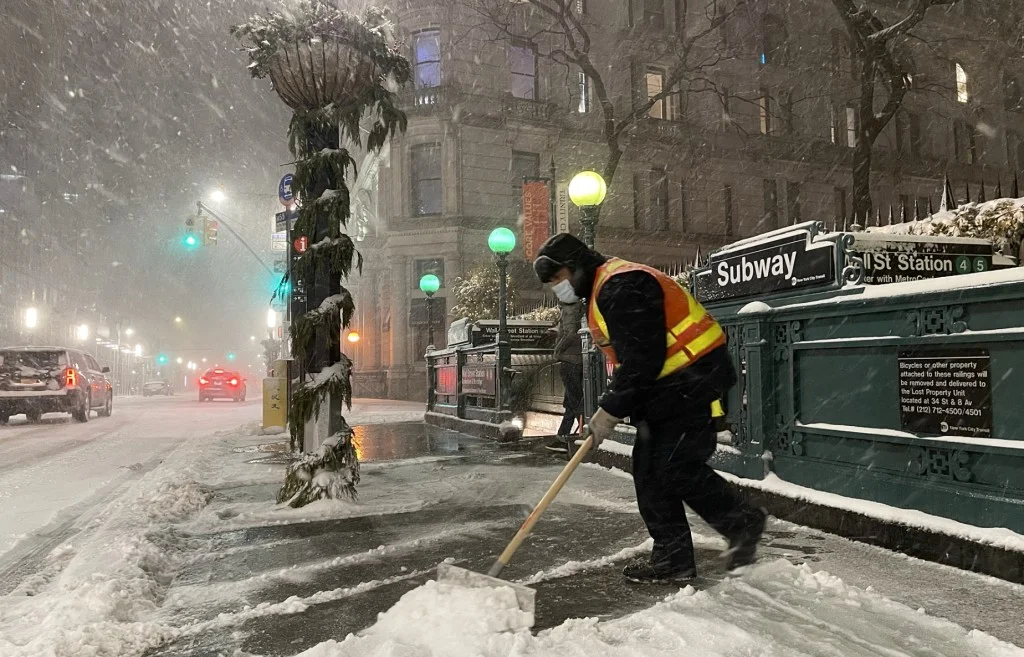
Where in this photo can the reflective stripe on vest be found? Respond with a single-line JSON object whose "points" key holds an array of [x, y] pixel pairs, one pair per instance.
{"points": [[690, 332]]}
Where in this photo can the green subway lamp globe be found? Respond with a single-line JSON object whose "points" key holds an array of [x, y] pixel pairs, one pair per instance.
{"points": [[501, 241], [430, 284], [587, 188]]}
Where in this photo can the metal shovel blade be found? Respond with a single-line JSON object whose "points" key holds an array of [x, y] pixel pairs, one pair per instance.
{"points": [[525, 596]]}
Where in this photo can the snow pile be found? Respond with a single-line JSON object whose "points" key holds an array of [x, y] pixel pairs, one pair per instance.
{"points": [[775, 609], [1000, 221]]}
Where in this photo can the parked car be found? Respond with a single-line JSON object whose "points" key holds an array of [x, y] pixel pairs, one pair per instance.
{"points": [[37, 380], [157, 388], [221, 384]]}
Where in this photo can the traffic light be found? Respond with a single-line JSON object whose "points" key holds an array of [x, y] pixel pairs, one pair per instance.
{"points": [[190, 240], [161, 359], [209, 232], [231, 355]]}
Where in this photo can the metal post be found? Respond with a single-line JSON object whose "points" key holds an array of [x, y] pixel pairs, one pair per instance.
{"points": [[430, 321], [504, 357], [588, 220]]}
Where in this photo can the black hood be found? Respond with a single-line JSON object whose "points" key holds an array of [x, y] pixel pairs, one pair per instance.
{"points": [[565, 250]]}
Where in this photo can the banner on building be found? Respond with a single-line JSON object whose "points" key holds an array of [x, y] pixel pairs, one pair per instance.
{"points": [[536, 217]]}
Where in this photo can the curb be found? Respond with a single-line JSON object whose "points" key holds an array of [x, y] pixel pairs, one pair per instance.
{"points": [[917, 542]]}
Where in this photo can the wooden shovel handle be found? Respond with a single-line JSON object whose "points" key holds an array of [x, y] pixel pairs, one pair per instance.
{"points": [[545, 501]]}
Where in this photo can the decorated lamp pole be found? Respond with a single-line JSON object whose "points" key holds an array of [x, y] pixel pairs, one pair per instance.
{"points": [[501, 241], [587, 190], [335, 71], [429, 285]]}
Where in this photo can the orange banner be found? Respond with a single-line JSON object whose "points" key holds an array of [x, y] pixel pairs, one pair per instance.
{"points": [[536, 217]]}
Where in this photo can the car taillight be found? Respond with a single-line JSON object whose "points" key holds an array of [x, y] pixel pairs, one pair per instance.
{"points": [[70, 378], [234, 382], [203, 380]]}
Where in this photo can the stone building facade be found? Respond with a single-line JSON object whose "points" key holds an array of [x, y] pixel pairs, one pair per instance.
{"points": [[758, 137]]}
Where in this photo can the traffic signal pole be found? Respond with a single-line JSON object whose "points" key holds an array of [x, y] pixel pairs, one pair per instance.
{"points": [[203, 207]]}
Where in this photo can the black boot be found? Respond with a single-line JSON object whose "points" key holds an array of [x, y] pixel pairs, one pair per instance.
{"points": [[743, 546], [642, 571]]}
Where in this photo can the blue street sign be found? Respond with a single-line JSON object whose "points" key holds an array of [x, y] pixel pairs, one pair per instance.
{"points": [[283, 219], [284, 189]]}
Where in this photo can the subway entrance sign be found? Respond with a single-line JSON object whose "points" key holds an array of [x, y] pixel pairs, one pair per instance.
{"points": [[901, 258]]}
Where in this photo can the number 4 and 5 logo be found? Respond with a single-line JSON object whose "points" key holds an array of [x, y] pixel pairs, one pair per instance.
{"points": [[967, 264]]}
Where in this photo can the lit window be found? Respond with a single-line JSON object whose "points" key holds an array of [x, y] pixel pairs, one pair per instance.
{"points": [[427, 62], [962, 95], [584, 90], [655, 86], [851, 127], [523, 64], [764, 108]]}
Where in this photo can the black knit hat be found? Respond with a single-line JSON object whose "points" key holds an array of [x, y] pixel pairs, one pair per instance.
{"points": [[561, 250]]}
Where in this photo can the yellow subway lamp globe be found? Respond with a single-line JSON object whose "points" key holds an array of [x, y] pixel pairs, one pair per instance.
{"points": [[587, 188]]}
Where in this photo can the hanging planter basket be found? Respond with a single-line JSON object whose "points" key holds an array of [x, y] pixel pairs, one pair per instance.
{"points": [[309, 75]]}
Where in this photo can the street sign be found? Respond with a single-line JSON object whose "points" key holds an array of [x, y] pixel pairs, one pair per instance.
{"points": [[283, 219], [284, 190], [279, 241], [301, 244], [899, 258]]}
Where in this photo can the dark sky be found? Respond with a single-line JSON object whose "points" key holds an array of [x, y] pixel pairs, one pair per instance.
{"points": [[139, 108]]}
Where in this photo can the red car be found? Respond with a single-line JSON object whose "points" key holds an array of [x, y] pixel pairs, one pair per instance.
{"points": [[221, 384]]}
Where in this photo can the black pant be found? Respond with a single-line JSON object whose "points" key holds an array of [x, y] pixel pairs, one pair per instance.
{"points": [[572, 381], [675, 438]]}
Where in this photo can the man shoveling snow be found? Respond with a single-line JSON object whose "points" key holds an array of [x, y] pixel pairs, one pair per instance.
{"points": [[672, 364]]}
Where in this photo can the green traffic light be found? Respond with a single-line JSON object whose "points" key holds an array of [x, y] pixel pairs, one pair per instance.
{"points": [[162, 359], [231, 355], [191, 241]]}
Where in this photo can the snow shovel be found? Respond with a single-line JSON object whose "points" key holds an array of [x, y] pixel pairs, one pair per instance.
{"points": [[446, 572]]}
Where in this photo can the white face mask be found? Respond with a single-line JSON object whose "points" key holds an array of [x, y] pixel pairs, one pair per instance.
{"points": [[563, 290]]}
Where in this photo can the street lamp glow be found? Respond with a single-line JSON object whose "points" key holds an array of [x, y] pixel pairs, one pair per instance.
{"points": [[31, 318], [129, 332], [501, 241], [177, 320], [180, 360], [252, 338], [138, 351], [218, 195], [353, 337], [271, 318], [82, 332], [430, 284], [587, 189]]}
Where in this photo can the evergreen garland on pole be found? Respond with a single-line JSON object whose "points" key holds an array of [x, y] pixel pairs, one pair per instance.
{"points": [[338, 72]]}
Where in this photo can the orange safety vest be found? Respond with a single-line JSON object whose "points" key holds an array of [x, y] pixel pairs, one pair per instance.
{"points": [[690, 332]]}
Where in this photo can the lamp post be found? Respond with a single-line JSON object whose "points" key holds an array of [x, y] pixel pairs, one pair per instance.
{"points": [[429, 285], [587, 190], [501, 241]]}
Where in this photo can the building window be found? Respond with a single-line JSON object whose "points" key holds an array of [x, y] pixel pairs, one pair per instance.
{"points": [[425, 161], [851, 127], [725, 98], [655, 85], [523, 65], [427, 58], [422, 267], [580, 6], [1012, 97], [793, 202], [680, 10], [772, 48], [654, 12], [914, 134], [524, 166], [965, 145], [840, 205], [787, 113], [418, 322], [727, 209], [833, 125], [657, 209], [584, 91], [770, 219], [764, 109], [962, 92], [840, 54], [921, 207]]}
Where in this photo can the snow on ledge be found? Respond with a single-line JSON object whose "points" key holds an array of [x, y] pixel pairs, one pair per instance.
{"points": [[999, 537], [966, 441]]}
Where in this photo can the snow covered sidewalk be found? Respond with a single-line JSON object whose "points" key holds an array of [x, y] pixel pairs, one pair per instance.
{"points": [[197, 560]]}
